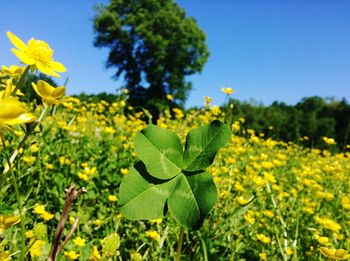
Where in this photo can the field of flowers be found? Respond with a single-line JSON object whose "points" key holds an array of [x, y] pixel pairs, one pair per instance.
{"points": [[276, 200]]}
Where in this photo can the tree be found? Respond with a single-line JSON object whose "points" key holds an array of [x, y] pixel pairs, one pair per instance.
{"points": [[153, 45]]}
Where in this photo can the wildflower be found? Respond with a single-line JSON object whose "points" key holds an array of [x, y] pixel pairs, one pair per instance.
{"points": [[39, 209], [328, 223], [79, 241], [13, 70], [112, 198], [5, 256], [207, 100], [83, 176], [29, 234], [157, 221], [335, 254], [153, 235], [37, 54], [124, 171], [262, 256], [37, 248], [95, 255], [242, 201], [13, 113], [263, 238], [227, 90], [134, 256], [47, 216], [170, 97], [72, 255], [97, 222], [49, 94], [8, 221], [329, 141], [346, 202]]}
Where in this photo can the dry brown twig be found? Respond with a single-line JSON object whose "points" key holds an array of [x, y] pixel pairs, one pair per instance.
{"points": [[71, 194]]}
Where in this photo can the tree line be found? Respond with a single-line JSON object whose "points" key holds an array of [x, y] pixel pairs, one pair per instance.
{"points": [[305, 123]]}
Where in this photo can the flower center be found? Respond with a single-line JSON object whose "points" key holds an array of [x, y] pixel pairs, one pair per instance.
{"points": [[40, 51]]}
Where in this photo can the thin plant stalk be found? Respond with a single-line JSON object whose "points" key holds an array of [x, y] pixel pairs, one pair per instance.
{"points": [[179, 244], [25, 138], [21, 80], [18, 198]]}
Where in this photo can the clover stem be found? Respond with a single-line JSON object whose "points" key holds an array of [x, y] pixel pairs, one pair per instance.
{"points": [[179, 244]]}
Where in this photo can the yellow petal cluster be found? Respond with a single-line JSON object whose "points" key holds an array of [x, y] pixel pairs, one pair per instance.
{"points": [[36, 53], [8, 221], [49, 94], [227, 90], [13, 113], [335, 254]]}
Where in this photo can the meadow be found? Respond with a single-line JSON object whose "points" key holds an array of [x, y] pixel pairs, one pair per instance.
{"points": [[276, 200]]}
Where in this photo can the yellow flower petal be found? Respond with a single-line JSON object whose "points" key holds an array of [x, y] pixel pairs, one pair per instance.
{"points": [[46, 69], [23, 56], [16, 41], [58, 92], [43, 89], [10, 111], [23, 118], [57, 66]]}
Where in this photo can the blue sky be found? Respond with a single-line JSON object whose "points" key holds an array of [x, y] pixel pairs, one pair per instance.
{"points": [[265, 50]]}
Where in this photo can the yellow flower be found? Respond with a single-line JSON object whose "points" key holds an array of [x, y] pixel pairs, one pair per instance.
{"points": [[13, 70], [36, 249], [242, 201], [329, 141], [335, 254], [29, 234], [263, 238], [37, 54], [72, 255], [79, 241], [207, 100], [5, 256], [13, 113], [97, 222], [112, 198], [157, 221], [47, 216], [124, 171], [39, 209], [48, 93], [170, 97], [262, 256], [95, 255], [227, 90], [8, 221], [153, 234]]}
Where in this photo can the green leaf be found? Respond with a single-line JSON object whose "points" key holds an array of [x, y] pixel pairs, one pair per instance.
{"points": [[160, 150], [203, 143], [142, 196], [192, 199]]}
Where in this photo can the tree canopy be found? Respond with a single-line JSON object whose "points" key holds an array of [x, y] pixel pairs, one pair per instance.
{"points": [[153, 45]]}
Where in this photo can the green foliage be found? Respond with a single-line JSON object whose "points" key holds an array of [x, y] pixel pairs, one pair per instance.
{"points": [[167, 177], [153, 45], [313, 117]]}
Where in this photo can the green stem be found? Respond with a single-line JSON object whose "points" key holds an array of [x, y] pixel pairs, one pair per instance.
{"points": [[21, 80], [25, 138], [179, 244], [204, 247], [19, 201]]}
